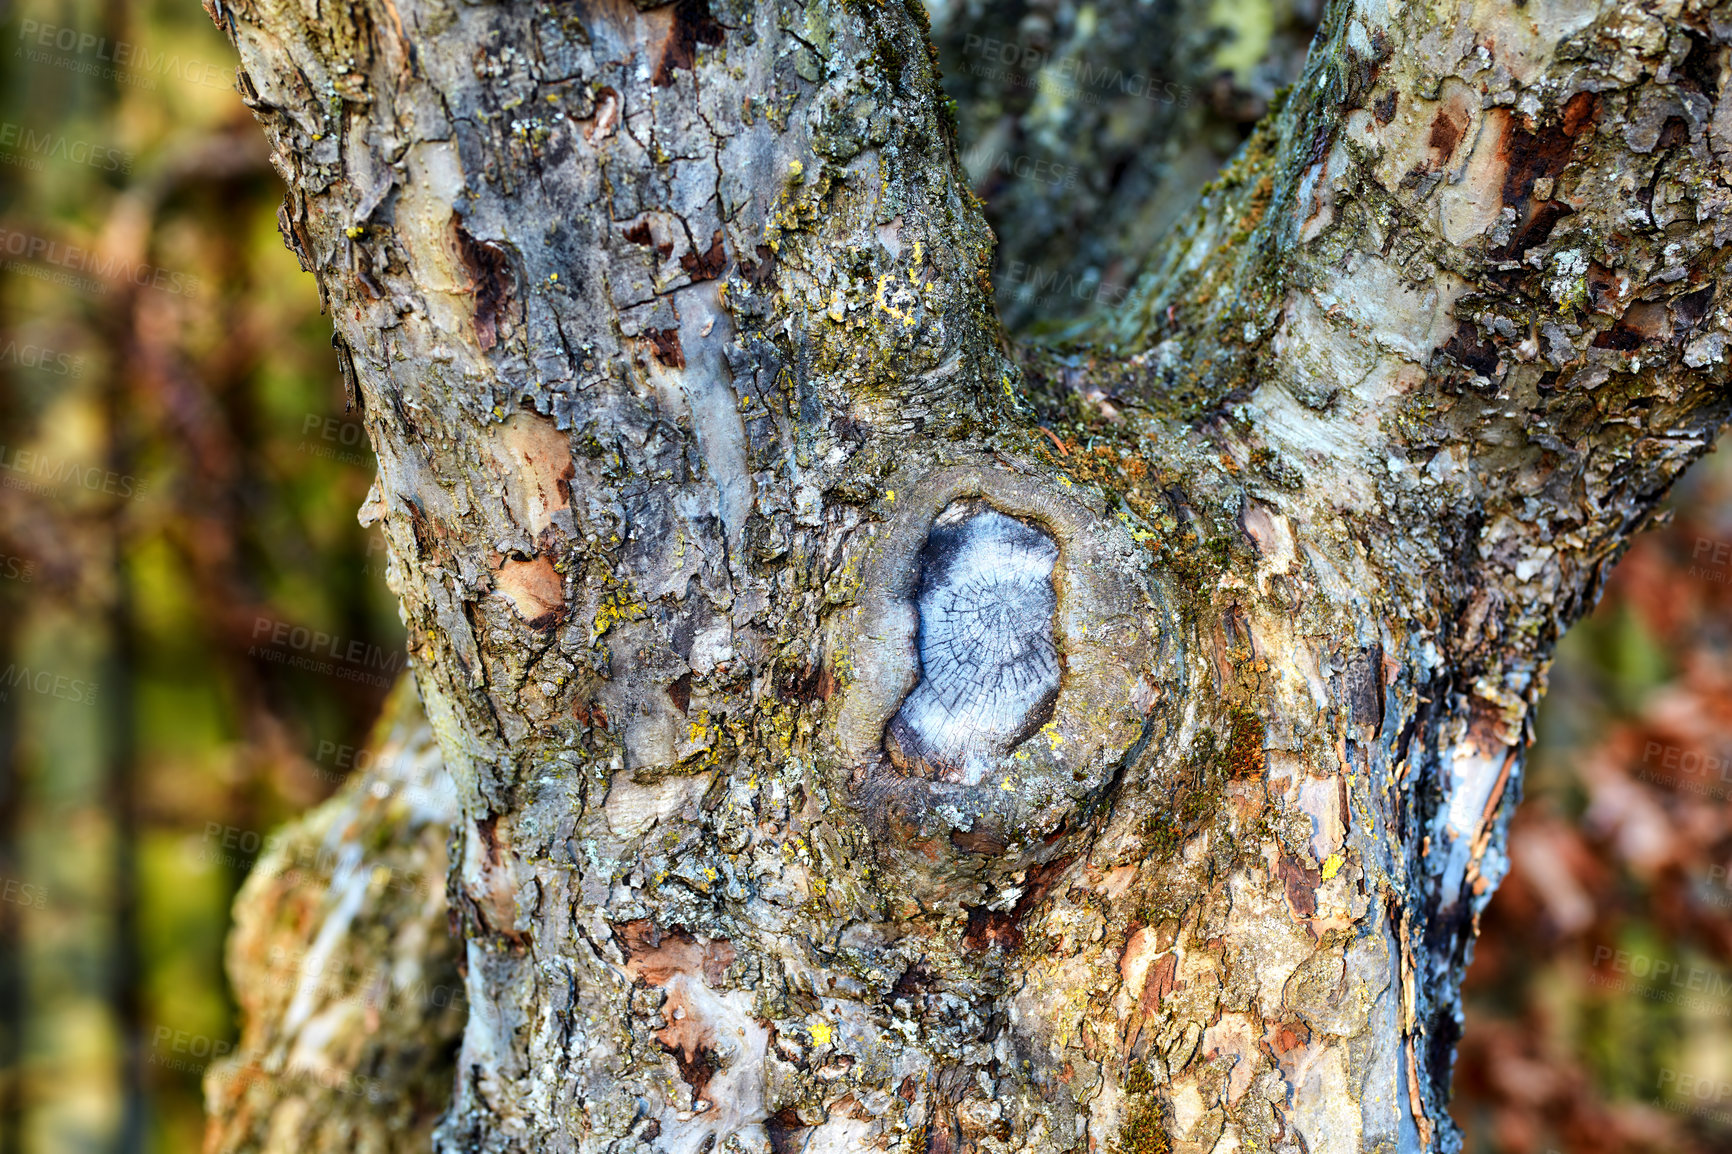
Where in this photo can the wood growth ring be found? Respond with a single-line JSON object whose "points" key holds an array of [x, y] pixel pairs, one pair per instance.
{"points": [[989, 669], [995, 667]]}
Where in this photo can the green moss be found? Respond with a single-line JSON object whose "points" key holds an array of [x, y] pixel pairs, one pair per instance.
{"points": [[1197, 798], [1144, 1128], [1138, 1080], [1244, 753]]}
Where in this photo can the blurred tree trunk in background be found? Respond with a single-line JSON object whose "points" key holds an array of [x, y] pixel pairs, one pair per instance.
{"points": [[869, 732], [126, 968], [350, 998], [155, 507]]}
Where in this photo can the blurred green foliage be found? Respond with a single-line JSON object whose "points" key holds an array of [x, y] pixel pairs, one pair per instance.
{"points": [[176, 468]]}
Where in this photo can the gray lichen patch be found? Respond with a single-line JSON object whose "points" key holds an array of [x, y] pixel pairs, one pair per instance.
{"points": [[989, 668]]}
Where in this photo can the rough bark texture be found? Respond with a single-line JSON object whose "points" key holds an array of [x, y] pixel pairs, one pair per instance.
{"points": [[673, 330]]}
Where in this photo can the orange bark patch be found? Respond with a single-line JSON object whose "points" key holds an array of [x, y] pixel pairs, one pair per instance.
{"points": [[667, 349], [1642, 322], [675, 961], [1301, 882], [1116, 881], [495, 898], [1163, 979], [1001, 929], [640, 233], [490, 279], [1446, 133], [787, 1132], [535, 590], [539, 482], [706, 265], [657, 955], [1531, 156], [680, 693], [1284, 1037], [1134, 962], [693, 25], [995, 929], [1579, 113], [1147, 969]]}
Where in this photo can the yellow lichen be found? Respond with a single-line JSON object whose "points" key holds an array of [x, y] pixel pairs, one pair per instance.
{"points": [[615, 607]]}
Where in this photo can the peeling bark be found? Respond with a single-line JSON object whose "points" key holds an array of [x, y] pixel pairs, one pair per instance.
{"points": [[673, 330]]}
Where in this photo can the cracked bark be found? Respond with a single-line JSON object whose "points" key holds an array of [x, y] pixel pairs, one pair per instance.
{"points": [[673, 330]]}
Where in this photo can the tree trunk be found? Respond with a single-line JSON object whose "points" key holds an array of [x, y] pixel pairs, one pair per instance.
{"points": [[350, 1001], [870, 733]]}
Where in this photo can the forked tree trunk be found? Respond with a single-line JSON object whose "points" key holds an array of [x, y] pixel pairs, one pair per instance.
{"points": [[872, 734]]}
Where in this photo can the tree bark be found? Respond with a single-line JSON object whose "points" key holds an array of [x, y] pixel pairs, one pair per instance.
{"points": [[351, 1004], [870, 733]]}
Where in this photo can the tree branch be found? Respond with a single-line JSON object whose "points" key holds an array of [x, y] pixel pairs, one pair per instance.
{"points": [[351, 1002]]}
